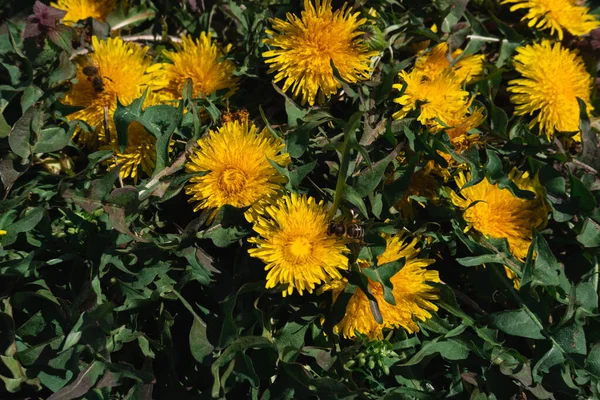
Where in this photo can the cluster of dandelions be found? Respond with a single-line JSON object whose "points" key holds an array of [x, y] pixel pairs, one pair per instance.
{"points": [[236, 163], [124, 71]]}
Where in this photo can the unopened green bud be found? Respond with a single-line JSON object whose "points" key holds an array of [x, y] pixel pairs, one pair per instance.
{"points": [[350, 364], [361, 361], [386, 369], [373, 38], [371, 364]]}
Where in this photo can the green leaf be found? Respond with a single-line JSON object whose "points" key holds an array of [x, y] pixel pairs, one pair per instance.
{"points": [[480, 260], [369, 178], [592, 362], [294, 113], [65, 71], [86, 379], [24, 224], [200, 347], [290, 340], [581, 197], [590, 234], [547, 271], [553, 357], [516, 323], [30, 96], [452, 349], [382, 274], [53, 139], [571, 338], [19, 137], [238, 345], [354, 198]]}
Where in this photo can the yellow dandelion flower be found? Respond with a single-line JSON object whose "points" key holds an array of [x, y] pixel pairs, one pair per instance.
{"points": [[83, 9], [440, 97], [235, 160], [411, 289], [497, 213], [139, 153], [306, 46], [556, 15], [435, 61], [122, 68], [552, 79], [295, 247], [203, 61]]}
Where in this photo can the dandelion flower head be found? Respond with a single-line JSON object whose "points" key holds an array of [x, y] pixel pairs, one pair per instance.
{"points": [[438, 59], [235, 162], [439, 98], [497, 213], [83, 9], [203, 61], [305, 46], [556, 15], [295, 247], [122, 66], [552, 77], [412, 292]]}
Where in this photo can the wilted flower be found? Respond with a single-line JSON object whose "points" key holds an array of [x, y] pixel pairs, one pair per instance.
{"points": [[411, 289], [201, 60], [122, 69], [556, 15], [83, 9], [295, 246], [552, 79], [236, 167], [307, 46]]}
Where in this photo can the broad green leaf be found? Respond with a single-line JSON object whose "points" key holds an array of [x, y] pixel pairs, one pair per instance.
{"points": [[516, 323], [590, 234]]}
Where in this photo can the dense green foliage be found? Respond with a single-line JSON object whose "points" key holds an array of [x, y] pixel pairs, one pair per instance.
{"points": [[110, 289]]}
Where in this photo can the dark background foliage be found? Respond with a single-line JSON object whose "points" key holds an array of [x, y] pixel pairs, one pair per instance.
{"points": [[110, 290]]}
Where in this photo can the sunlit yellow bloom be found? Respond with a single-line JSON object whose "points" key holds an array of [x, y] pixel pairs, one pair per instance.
{"points": [[2, 232], [556, 15], [435, 61], [201, 60], [83, 9], [123, 68], [552, 79], [440, 97], [306, 46], [139, 153], [497, 213], [411, 289], [295, 247], [235, 163]]}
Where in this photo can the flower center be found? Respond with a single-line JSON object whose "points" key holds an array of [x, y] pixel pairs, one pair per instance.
{"points": [[300, 248], [232, 180]]}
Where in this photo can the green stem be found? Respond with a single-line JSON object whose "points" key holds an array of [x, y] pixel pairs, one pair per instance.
{"points": [[341, 178]]}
